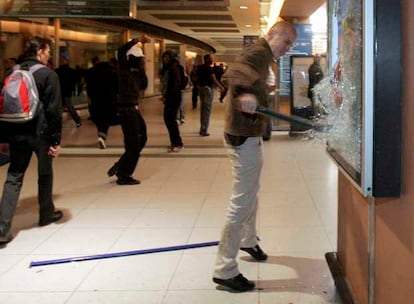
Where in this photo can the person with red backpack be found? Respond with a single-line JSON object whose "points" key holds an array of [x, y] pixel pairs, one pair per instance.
{"points": [[40, 134]]}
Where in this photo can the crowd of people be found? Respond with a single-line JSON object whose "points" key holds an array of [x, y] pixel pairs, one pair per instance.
{"points": [[119, 84]]}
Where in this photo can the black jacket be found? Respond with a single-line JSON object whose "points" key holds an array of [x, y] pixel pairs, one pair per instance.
{"points": [[48, 124], [132, 81]]}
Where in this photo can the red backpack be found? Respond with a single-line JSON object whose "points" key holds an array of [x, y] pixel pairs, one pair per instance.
{"points": [[19, 98]]}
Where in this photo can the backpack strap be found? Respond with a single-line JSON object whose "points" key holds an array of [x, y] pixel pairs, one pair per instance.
{"points": [[36, 67]]}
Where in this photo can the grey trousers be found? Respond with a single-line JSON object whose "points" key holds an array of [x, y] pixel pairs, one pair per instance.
{"points": [[240, 227]]}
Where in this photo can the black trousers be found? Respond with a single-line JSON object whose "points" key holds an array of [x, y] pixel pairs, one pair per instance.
{"points": [[172, 104], [134, 130], [194, 95], [20, 156]]}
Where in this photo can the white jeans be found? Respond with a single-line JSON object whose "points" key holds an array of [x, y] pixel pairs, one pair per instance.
{"points": [[240, 227]]}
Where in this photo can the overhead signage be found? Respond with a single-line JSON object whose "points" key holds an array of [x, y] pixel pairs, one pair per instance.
{"points": [[68, 9]]}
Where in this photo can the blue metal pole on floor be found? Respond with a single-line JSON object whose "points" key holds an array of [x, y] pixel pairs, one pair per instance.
{"points": [[121, 254]]}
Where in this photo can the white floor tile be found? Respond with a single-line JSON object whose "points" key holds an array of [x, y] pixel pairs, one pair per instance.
{"points": [[182, 199]]}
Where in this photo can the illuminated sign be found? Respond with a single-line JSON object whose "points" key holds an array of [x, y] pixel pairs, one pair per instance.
{"points": [[67, 9]]}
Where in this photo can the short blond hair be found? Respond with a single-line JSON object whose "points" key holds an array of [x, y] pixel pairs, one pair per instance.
{"points": [[282, 27]]}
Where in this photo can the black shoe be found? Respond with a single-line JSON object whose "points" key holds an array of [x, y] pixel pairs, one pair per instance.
{"points": [[127, 180], [204, 134], [78, 124], [113, 170], [5, 235], [54, 217], [256, 252], [238, 283]]}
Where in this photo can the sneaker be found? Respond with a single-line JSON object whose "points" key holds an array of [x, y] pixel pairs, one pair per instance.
{"points": [[182, 120], [101, 143], [127, 180], [5, 235], [175, 148], [78, 124], [256, 252], [237, 283]]}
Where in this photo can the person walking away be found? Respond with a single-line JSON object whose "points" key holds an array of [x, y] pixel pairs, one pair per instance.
{"points": [[243, 132], [194, 91], [218, 72], [171, 96], [67, 78], [91, 84], [183, 85], [132, 83], [206, 80], [315, 76], [40, 135], [271, 97], [105, 96]]}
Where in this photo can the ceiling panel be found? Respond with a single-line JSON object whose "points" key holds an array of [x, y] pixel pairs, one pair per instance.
{"points": [[219, 23]]}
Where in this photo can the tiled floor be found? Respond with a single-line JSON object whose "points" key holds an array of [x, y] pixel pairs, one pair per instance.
{"points": [[182, 200]]}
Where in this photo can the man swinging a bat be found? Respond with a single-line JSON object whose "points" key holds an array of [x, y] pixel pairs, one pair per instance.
{"points": [[243, 132]]}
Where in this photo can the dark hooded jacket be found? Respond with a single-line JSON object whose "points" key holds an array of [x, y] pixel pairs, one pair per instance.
{"points": [[132, 77]]}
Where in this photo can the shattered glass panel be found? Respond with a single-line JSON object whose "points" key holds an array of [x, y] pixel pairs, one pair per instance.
{"points": [[340, 93]]}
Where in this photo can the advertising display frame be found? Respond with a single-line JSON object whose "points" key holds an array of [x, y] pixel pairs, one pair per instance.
{"points": [[379, 137]]}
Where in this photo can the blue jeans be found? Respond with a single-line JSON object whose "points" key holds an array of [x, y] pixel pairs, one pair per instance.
{"points": [[240, 227], [206, 98]]}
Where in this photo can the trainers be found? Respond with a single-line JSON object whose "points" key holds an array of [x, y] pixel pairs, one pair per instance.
{"points": [[256, 252], [78, 124], [101, 143], [175, 148], [127, 180], [5, 235], [182, 120], [237, 283]]}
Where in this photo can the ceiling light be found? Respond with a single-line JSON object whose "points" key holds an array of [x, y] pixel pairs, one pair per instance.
{"points": [[243, 7], [248, 25], [274, 12]]}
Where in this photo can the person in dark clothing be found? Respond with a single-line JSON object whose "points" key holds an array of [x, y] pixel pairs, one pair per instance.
{"points": [[194, 91], [104, 102], [132, 82], [91, 85], [206, 81], [67, 78], [315, 76], [40, 135], [171, 96], [218, 72]]}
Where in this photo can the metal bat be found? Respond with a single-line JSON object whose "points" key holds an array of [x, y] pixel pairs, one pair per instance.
{"points": [[293, 118]]}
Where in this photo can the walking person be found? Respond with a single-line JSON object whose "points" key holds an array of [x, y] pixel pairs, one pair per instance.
{"points": [[132, 83], [171, 96], [41, 135], [315, 74], [243, 132], [194, 90], [105, 96], [67, 78], [206, 81]]}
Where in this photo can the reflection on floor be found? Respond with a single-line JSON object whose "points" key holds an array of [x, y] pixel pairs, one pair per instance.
{"points": [[182, 200]]}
